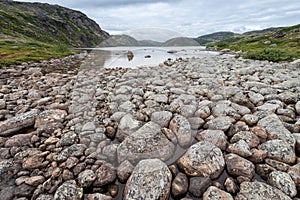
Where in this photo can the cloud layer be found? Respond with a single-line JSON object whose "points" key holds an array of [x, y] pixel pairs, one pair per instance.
{"points": [[186, 17]]}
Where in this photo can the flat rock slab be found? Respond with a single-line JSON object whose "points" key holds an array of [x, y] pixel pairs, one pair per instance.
{"points": [[259, 190], [202, 159], [19, 122], [151, 179], [147, 142]]}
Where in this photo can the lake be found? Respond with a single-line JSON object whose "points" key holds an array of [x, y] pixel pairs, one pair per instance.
{"points": [[112, 57]]}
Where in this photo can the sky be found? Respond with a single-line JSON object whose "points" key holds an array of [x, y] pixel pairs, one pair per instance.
{"points": [[161, 20]]}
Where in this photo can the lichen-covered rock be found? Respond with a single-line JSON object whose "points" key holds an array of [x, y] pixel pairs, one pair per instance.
{"points": [[86, 178], [239, 166], [68, 191], [279, 150], [219, 123], [21, 121], [182, 129], [217, 137], [202, 159], [162, 118], [249, 137], [214, 193], [151, 179], [127, 126], [276, 129], [147, 142], [259, 190], [241, 148], [283, 182], [294, 172]]}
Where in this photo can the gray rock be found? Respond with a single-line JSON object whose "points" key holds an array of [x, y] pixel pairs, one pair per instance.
{"points": [[162, 118], [180, 185], [196, 122], [97, 196], [230, 185], [117, 116], [250, 119], [202, 159], [219, 123], [214, 193], [239, 166], [67, 139], [276, 129], [159, 98], [86, 178], [187, 110], [45, 197], [151, 179], [21, 121], [127, 106], [223, 108], [255, 97], [203, 112], [297, 107], [145, 143], [89, 126], [127, 126], [198, 185], [242, 110], [2, 104], [68, 191], [259, 190], [241, 148], [249, 137], [182, 129], [48, 117], [279, 150], [216, 137], [74, 150], [283, 182], [268, 107]]}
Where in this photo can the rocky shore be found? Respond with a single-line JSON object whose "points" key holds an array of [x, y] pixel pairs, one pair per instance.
{"points": [[201, 128]]}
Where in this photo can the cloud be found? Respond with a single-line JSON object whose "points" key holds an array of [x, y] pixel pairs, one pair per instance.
{"points": [[187, 17]]}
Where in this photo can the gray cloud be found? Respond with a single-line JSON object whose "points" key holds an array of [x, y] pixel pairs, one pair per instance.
{"points": [[186, 17]]}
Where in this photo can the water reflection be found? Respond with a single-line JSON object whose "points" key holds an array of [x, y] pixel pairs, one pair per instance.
{"points": [[132, 57]]}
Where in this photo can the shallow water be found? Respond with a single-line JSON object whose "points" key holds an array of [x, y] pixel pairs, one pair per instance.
{"points": [[112, 57]]}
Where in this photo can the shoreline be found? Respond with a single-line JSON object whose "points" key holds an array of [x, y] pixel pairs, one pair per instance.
{"points": [[88, 129]]}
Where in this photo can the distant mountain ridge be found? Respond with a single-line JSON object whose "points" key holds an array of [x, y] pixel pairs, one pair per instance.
{"points": [[49, 23]]}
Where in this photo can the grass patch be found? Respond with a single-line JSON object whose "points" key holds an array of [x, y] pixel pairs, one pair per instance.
{"points": [[271, 54]]}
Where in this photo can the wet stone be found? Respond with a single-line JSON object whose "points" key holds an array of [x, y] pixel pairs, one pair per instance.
{"points": [[202, 159], [198, 185], [155, 175], [180, 185]]}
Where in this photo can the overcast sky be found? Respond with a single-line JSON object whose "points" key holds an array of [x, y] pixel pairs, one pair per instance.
{"points": [[184, 17]]}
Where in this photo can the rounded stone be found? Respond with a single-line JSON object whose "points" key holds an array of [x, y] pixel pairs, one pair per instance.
{"points": [[202, 159], [283, 182], [151, 179], [68, 191]]}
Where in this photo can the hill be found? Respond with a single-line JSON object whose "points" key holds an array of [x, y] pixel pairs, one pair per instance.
{"points": [[26, 28], [274, 44], [180, 41], [126, 40], [214, 37]]}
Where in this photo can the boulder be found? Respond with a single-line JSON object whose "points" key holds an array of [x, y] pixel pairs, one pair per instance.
{"points": [[146, 142], [202, 159], [151, 179], [182, 129]]}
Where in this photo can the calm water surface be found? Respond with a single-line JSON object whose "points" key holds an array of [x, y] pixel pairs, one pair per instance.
{"points": [[112, 57]]}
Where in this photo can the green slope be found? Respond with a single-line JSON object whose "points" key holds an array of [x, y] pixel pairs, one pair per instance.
{"points": [[37, 31], [274, 44]]}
